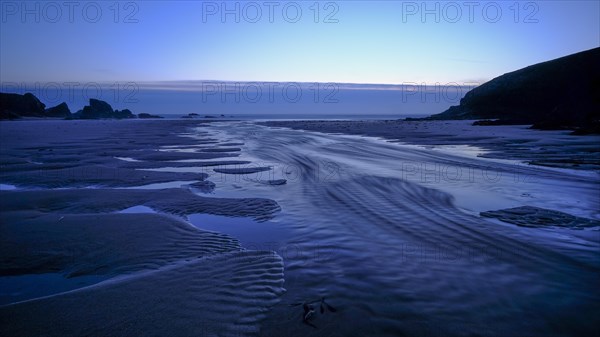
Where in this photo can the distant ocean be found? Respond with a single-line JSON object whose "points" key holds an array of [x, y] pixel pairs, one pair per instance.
{"points": [[313, 116], [253, 100]]}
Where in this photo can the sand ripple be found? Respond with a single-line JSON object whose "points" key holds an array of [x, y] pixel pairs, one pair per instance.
{"points": [[222, 295]]}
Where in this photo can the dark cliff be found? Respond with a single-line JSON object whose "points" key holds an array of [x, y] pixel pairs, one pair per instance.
{"points": [[562, 93]]}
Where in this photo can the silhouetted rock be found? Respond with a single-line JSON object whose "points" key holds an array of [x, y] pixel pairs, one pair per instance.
{"points": [[191, 115], [16, 106], [125, 113], [558, 94], [144, 115], [61, 110], [98, 109]]}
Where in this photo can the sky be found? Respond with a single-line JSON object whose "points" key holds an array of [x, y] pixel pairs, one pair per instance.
{"points": [[389, 42]]}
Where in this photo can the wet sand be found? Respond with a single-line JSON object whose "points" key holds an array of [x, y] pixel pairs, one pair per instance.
{"points": [[126, 220], [114, 273], [391, 233]]}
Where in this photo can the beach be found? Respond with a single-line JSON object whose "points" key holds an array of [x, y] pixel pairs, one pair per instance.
{"points": [[78, 260], [224, 228]]}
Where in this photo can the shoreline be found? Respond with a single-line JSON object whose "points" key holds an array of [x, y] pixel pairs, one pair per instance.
{"points": [[536, 147]]}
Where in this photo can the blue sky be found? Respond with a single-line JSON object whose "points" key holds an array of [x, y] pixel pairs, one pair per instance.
{"points": [[371, 42]]}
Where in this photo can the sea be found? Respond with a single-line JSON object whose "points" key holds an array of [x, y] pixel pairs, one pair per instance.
{"points": [[253, 100]]}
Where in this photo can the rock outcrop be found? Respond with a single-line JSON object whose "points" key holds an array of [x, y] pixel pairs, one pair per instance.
{"points": [[61, 110], [191, 115], [98, 109], [125, 113], [560, 94], [144, 115], [14, 106]]}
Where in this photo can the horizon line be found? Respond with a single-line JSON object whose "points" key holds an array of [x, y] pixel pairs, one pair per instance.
{"points": [[67, 83]]}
